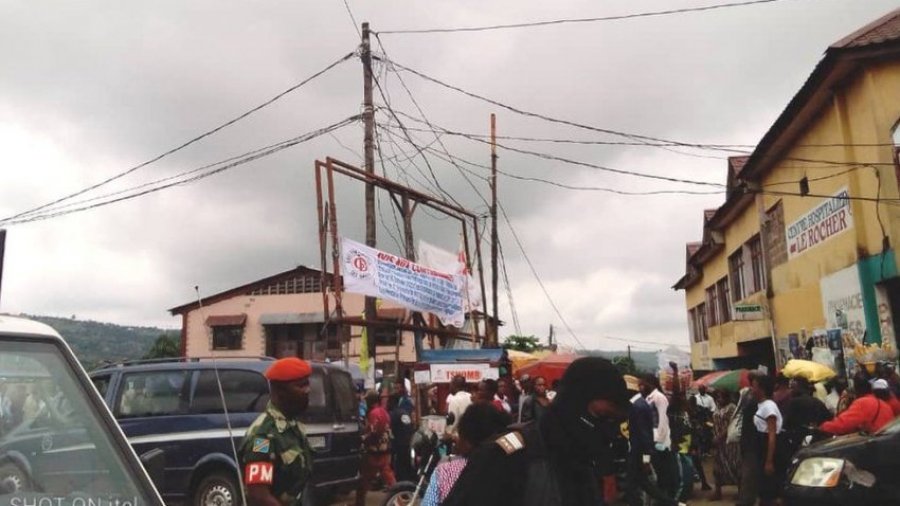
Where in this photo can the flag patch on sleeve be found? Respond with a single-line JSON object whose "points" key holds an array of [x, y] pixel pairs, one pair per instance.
{"points": [[260, 445]]}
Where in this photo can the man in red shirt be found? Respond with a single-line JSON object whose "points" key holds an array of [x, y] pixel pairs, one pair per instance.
{"points": [[376, 458], [867, 413]]}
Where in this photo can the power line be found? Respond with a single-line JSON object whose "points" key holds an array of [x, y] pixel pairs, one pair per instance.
{"points": [[425, 119], [581, 187], [184, 145], [509, 293], [548, 156], [576, 20], [537, 276], [643, 139], [234, 162]]}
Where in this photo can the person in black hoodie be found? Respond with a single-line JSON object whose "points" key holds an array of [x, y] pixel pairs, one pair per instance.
{"points": [[555, 461]]}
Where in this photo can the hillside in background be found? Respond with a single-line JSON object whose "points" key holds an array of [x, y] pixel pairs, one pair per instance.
{"points": [[96, 342], [644, 361]]}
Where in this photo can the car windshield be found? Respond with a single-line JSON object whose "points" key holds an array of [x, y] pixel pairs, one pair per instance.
{"points": [[53, 444]]}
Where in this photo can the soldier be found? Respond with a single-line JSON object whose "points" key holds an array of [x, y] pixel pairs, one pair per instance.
{"points": [[276, 456]]}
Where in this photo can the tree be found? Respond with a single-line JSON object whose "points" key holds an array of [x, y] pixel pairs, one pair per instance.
{"points": [[625, 365], [164, 346], [521, 343]]}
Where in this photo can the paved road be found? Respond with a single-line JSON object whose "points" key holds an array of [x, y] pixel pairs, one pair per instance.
{"points": [[729, 495]]}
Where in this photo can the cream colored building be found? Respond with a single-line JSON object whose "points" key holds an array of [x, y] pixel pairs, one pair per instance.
{"points": [[814, 211], [282, 315]]}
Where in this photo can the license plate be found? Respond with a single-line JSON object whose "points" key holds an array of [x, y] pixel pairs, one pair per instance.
{"points": [[317, 442]]}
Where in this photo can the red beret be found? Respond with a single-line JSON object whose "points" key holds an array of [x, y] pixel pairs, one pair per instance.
{"points": [[288, 369]]}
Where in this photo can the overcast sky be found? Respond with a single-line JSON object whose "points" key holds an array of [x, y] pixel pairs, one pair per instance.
{"points": [[90, 89]]}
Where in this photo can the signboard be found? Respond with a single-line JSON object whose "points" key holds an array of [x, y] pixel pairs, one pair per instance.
{"points": [[372, 272], [443, 373], [422, 377], [842, 303], [819, 224], [744, 312]]}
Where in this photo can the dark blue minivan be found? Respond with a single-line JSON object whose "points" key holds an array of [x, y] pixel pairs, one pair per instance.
{"points": [[176, 406]]}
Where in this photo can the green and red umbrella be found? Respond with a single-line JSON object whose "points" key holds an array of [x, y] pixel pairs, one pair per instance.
{"points": [[725, 380]]}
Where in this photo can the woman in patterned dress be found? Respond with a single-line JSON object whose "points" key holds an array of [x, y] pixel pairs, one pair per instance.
{"points": [[478, 423], [726, 456]]}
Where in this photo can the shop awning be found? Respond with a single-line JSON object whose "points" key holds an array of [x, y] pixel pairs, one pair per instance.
{"points": [[226, 320], [291, 318]]}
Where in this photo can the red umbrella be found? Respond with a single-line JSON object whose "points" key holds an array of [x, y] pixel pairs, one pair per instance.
{"points": [[705, 380], [551, 367]]}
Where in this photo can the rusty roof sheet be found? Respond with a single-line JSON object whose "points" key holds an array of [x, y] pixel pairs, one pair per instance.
{"points": [[884, 29], [737, 163]]}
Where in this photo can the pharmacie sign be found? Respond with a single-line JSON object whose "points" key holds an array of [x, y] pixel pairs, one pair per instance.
{"points": [[748, 312], [820, 223]]}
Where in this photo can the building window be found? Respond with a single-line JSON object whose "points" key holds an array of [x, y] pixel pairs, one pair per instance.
{"points": [[712, 305], [701, 319], [736, 273], [228, 337], [756, 261], [387, 337], [697, 323], [724, 300]]}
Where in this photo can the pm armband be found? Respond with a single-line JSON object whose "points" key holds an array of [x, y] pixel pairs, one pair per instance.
{"points": [[259, 473]]}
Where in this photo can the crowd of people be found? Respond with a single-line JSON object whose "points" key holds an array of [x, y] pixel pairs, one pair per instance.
{"points": [[518, 444], [750, 435]]}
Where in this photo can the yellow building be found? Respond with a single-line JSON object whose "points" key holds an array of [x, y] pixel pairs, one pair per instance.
{"points": [[805, 240]]}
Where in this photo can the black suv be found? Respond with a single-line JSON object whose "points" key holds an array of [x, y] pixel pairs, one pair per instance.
{"points": [[176, 406]]}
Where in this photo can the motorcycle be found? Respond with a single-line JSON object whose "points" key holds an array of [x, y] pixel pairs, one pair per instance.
{"points": [[426, 451]]}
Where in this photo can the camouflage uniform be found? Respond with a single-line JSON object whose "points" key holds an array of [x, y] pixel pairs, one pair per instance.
{"points": [[278, 445]]}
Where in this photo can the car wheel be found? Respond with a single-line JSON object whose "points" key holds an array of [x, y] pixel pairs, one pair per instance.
{"points": [[13, 479], [217, 489]]}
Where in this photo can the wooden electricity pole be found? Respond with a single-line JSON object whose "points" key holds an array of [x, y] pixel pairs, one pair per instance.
{"points": [[495, 328], [369, 158]]}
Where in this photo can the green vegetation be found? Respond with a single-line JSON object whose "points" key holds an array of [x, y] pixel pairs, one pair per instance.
{"points": [[521, 343], [95, 343]]}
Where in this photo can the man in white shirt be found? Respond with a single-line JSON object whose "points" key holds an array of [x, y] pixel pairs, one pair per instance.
{"points": [[704, 400], [663, 458], [457, 402]]}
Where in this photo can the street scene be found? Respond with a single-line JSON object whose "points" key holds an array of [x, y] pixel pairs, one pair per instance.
{"points": [[411, 253]]}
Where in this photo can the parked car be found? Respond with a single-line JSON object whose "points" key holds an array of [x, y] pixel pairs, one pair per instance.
{"points": [[176, 406], [59, 443], [855, 467]]}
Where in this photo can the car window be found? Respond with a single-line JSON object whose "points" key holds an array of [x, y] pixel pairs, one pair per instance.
{"points": [[245, 392], [101, 383], [344, 394], [156, 393], [52, 439]]}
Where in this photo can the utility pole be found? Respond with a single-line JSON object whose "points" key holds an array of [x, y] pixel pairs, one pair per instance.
{"points": [[2, 253], [629, 352], [369, 153], [495, 338]]}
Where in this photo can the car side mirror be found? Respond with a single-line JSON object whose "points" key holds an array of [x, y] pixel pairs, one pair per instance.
{"points": [[154, 461]]}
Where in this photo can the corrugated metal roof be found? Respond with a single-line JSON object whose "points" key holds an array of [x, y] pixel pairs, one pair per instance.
{"points": [[483, 355]]}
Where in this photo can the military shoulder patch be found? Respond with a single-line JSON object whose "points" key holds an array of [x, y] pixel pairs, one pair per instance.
{"points": [[511, 443], [261, 445]]}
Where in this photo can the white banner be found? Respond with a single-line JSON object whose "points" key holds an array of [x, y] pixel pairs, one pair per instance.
{"points": [[372, 272], [443, 373], [444, 261], [820, 223]]}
